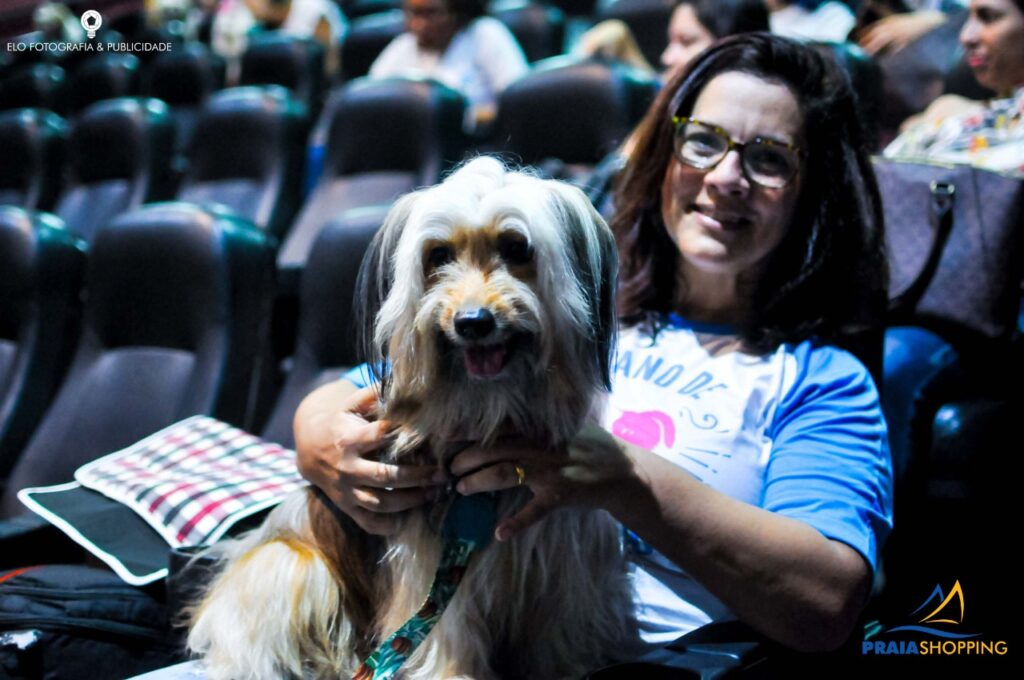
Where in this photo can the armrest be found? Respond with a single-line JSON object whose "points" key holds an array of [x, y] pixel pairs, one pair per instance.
{"points": [[29, 539]]}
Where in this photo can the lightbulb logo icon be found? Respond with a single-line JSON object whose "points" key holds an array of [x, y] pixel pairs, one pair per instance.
{"points": [[91, 22]]}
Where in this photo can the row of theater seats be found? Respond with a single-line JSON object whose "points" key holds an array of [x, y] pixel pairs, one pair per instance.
{"points": [[174, 321], [247, 146]]}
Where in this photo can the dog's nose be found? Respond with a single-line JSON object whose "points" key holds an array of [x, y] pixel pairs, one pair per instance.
{"points": [[474, 324]]}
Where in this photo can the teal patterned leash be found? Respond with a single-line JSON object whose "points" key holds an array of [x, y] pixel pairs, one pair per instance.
{"points": [[468, 527]]}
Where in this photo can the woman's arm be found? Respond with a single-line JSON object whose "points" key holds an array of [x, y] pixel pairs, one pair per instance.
{"points": [[336, 444], [777, 574]]}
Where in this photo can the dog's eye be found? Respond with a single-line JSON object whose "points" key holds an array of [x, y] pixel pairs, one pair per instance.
{"points": [[439, 256], [515, 250]]}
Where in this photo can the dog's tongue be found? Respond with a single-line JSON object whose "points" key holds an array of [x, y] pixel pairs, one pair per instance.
{"points": [[485, 361]]}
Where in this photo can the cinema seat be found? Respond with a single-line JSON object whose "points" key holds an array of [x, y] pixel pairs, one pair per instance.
{"points": [[294, 63], [119, 155], [383, 138], [103, 76], [42, 265], [325, 342], [246, 153], [173, 326], [587, 108], [34, 86], [33, 143]]}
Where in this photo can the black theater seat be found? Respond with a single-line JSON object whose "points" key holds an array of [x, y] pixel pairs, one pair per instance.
{"points": [[184, 78], [383, 138], [119, 157], [172, 327], [647, 20], [104, 76], [247, 153], [33, 86], [367, 37], [42, 266], [539, 28], [32, 144], [587, 109], [294, 63], [325, 343]]}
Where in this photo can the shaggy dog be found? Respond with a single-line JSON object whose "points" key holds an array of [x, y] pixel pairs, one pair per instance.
{"points": [[490, 299]]}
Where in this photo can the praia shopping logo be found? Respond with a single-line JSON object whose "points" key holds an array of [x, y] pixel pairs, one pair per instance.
{"points": [[939, 629]]}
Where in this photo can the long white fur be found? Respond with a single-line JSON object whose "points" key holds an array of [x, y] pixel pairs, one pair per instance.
{"points": [[557, 594]]}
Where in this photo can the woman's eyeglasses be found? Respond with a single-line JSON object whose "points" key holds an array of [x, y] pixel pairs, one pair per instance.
{"points": [[764, 161]]}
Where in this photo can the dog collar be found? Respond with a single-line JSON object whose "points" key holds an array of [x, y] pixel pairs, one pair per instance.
{"points": [[468, 527]]}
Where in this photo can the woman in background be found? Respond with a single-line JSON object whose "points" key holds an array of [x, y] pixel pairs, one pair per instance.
{"points": [[986, 134], [452, 41]]}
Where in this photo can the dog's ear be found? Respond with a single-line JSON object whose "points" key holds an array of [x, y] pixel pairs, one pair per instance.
{"points": [[376, 276], [595, 259]]}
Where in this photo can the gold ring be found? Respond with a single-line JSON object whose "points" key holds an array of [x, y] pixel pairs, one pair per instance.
{"points": [[520, 474]]}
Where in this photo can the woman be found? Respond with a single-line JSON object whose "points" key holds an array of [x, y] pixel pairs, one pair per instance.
{"points": [[693, 27], [984, 134], [745, 456], [453, 42], [821, 20]]}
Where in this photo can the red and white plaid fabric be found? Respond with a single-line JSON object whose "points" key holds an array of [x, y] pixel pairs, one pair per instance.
{"points": [[195, 479]]}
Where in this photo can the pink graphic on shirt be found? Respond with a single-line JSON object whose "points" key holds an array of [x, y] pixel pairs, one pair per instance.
{"points": [[646, 428]]}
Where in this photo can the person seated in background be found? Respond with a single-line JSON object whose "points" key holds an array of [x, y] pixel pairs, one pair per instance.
{"points": [[693, 27], [320, 20], [452, 41], [884, 28], [819, 20], [744, 453], [986, 134]]}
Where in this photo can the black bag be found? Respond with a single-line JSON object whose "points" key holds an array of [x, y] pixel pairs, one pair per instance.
{"points": [[71, 622], [953, 237]]}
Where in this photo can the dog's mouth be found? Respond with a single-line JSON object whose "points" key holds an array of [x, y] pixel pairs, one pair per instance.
{"points": [[486, 361]]}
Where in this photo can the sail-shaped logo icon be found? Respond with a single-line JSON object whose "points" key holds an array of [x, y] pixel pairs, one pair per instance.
{"points": [[949, 611]]}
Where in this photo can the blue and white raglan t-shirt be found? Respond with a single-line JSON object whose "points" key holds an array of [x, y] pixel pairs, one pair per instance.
{"points": [[798, 431]]}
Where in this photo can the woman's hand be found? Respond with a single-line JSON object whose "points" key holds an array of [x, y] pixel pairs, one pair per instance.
{"points": [[336, 441], [594, 470], [896, 31]]}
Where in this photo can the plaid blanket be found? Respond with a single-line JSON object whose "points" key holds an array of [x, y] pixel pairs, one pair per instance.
{"points": [[195, 479], [190, 482]]}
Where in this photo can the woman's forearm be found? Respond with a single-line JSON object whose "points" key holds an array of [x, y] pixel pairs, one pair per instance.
{"points": [[776, 573]]}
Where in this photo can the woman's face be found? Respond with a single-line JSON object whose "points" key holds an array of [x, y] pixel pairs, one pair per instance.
{"points": [[721, 222], [431, 22], [993, 39], [687, 38]]}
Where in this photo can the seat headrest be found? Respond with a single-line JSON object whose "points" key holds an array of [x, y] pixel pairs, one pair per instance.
{"points": [[120, 139], [160, 275], [33, 85], [367, 37], [295, 63], [254, 123], [20, 234], [575, 111], [393, 124], [538, 28], [186, 75], [26, 138], [104, 76]]}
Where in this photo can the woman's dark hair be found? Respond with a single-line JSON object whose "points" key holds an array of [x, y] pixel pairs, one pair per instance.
{"points": [[723, 18], [828, 276], [466, 10]]}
